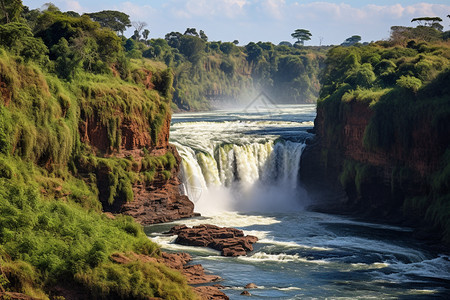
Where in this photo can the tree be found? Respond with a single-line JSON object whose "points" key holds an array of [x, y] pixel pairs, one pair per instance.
{"points": [[285, 43], [145, 34], [138, 26], [191, 31], [433, 22], [11, 10], [71, 13], [254, 52], [351, 41], [173, 39], [18, 38], [236, 42], [50, 7], [428, 21], [227, 47], [192, 46], [301, 35], [115, 20], [203, 36], [320, 40]]}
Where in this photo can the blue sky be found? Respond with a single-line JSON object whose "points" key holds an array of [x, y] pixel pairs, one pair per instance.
{"points": [[330, 22]]}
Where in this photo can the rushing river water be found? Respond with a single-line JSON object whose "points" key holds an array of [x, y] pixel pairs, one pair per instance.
{"points": [[241, 170]]}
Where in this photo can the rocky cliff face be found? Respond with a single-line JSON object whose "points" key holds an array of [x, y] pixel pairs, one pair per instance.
{"points": [[160, 201], [391, 175], [422, 155], [129, 148]]}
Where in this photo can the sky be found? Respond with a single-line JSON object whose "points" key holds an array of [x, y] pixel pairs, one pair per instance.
{"points": [[330, 22]]}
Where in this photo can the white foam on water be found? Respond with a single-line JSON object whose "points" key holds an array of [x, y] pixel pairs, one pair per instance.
{"points": [[438, 268], [287, 289], [289, 244], [168, 243], [422, 292], [363, 266], [232, 219], [282, 258]]}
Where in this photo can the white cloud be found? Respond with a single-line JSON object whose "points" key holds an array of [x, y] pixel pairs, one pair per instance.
{"points": [[73, 5], [209, 8], [274, 8], [136, 11], [371, 12]]}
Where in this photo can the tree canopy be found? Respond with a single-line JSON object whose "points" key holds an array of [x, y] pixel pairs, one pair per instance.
{"points": [[11, 10], [301, 35], [115, 20], [351, 40]]}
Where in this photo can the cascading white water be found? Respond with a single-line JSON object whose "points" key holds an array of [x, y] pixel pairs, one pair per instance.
{"points": [[248, 177]]}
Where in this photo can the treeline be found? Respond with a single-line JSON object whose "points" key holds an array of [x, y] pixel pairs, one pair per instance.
{"points": [[207, 72], [405, 81], [63, 77]]}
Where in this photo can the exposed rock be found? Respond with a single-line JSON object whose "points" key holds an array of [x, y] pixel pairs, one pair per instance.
{"points": [[251, 286], [379, 195], [246, 293], [210, 293], [195, 274], [158, 202], [219, 286], [230, 241]]}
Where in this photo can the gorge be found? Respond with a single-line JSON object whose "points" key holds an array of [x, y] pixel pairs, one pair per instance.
{"points": [[346, 198]]}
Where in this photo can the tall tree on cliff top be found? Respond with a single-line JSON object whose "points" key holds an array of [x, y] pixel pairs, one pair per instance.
{"points": [[301, 35], [351, 41], [116, 20], [138, 26]]}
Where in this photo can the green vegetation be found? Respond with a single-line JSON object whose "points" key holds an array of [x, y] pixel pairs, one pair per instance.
{"points": [[210, 73], [405, 83], [355, 173], [301, 35], [68, 91]]}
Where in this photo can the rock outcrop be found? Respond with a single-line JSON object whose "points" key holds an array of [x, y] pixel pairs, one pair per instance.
{"points": [[230, 241], [380, 194], [161, 201]]}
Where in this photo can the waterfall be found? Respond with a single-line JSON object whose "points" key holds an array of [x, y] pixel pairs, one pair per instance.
{"points": [[259, 176]]}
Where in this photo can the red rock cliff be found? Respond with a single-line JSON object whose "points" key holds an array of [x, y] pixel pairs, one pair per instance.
{"points": [[380, 193], [135, 136]]}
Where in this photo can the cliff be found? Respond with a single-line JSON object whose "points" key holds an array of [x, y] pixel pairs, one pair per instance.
{"points": [[69, 151], [382, 136]]}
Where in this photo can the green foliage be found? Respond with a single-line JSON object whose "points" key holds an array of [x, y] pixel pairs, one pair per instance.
{"points": [[10, 10], [130, 281], [17, 38], [58, 235], [192, 47], [50, 241], [410, 83], [355, 174], [301, 35], [214, 72], [407, 89], [114, 20]]}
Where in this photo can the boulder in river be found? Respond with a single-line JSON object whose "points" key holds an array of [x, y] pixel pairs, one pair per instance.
{"points": [[230, 241]]}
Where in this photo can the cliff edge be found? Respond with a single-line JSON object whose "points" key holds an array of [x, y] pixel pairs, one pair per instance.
{"points": [[382, 135]]}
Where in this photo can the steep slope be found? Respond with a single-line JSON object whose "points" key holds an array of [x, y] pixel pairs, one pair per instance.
{"points": [[68, 150], [383, 126]]}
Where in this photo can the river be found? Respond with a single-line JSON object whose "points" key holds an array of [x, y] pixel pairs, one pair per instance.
{"points": [[240, 168]]}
